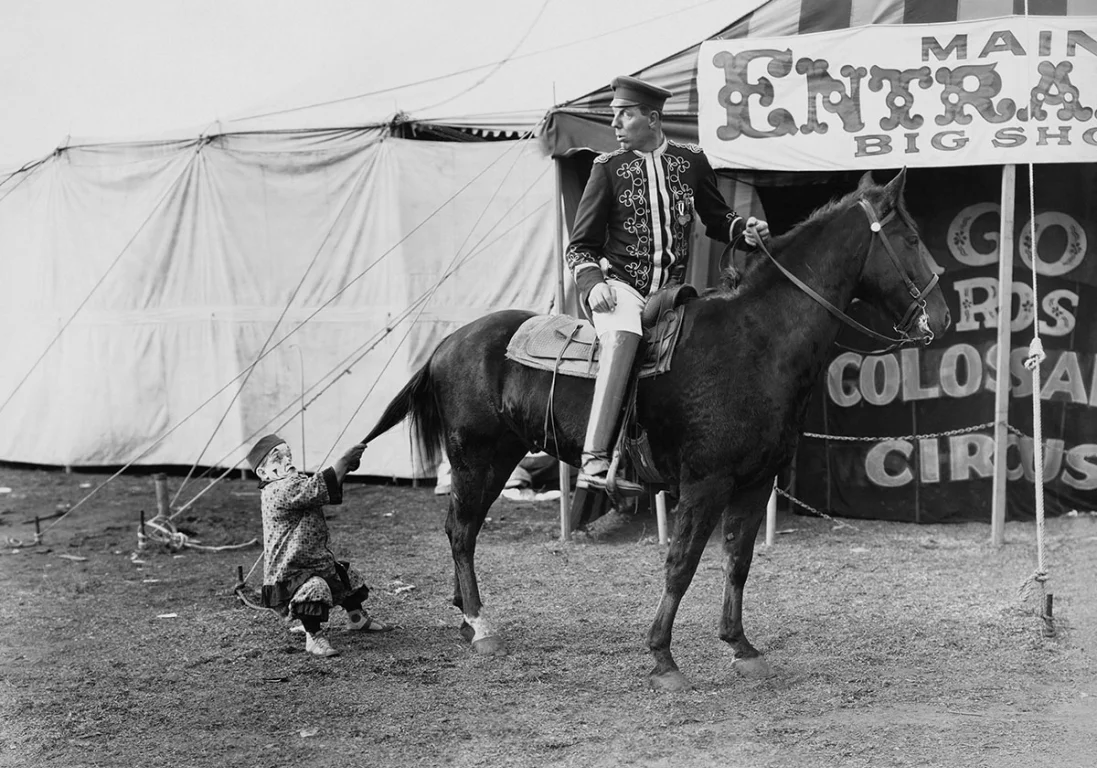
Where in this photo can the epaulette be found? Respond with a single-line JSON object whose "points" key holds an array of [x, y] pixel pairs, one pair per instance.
{"points": [[691, 147], [605, 156]]}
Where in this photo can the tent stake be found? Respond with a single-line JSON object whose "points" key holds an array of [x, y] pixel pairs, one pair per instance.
{"points": [[1049, 626], [161, 481]]}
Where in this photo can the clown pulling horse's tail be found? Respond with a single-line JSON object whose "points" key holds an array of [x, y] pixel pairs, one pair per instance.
{"points": [[720, 423]]}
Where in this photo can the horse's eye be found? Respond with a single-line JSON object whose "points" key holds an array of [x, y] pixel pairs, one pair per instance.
{"points": [[912, 241]]}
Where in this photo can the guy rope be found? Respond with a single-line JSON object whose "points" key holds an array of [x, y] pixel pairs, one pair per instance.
{"points": [[1036, 584]]}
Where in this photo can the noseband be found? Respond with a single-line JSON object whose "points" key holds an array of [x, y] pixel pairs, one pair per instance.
{"points": [[916, 311]]}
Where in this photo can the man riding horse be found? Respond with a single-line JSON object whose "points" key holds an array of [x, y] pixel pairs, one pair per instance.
{"points": [[630, 239]]}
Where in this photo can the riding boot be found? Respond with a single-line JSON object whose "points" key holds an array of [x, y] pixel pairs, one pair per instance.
{"points": [[614, 370]]}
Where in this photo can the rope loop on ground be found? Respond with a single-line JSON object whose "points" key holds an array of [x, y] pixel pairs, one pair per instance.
{"points": [[163, 531]]}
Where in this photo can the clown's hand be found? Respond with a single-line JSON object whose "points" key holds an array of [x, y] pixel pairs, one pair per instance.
{"points": [[349, 461], [757, 232]]}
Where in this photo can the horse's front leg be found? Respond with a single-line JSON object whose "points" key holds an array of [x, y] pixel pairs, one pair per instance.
{"points": [[740, 529], [697, 513]]}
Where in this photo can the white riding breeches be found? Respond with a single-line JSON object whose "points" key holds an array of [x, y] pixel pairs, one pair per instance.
{"points": [[625, 316]]}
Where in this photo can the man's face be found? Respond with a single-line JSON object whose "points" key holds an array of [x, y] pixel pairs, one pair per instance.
{"points": [[277, 464], [634, 129]]}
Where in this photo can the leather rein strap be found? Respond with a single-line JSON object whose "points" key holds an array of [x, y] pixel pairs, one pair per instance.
{"points": [[919, 296]]}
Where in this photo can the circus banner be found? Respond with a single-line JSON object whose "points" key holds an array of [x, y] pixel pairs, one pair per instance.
{"points": [[1006, 90], [907, 434]]}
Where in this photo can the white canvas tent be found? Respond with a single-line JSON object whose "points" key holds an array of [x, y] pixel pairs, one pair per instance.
{"points": [[140, 281]]}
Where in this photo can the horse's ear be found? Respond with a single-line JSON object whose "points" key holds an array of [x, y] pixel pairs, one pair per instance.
{"points": [[866, 182], [895, 186]]}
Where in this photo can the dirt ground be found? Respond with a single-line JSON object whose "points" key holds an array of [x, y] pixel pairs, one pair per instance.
{"points": [[894, 645]]}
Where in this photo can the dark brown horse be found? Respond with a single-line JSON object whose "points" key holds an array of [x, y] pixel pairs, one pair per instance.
{"points": [[722, 422]]}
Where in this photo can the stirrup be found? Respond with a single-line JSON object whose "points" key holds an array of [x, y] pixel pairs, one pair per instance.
{"points": [[619, 486]]}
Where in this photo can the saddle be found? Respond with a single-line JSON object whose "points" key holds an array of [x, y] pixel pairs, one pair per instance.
{"points": [[569, 346]]}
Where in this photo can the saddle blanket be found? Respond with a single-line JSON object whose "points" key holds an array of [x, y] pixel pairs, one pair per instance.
{"points": [[570, 346]]}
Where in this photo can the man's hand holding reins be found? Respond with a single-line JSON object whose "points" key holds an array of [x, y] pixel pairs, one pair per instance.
{"points": [[757, 232]]}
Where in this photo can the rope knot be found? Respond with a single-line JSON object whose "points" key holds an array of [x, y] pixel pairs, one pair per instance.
{"points": [[165, 532], [1035, 354]]}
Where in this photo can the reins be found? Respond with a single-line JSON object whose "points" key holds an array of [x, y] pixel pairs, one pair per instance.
{"points": [[918, 302]]}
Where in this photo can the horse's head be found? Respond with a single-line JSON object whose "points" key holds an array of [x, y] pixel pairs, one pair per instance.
{"points": [[898, 273]]}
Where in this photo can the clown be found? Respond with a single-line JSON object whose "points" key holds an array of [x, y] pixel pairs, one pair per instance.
{"points": [[301, 578]]}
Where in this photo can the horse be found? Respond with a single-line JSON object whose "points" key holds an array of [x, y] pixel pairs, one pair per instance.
{"points": [[721, 422]]}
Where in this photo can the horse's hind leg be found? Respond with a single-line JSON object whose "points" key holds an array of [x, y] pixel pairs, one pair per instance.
{"points": [[698, 512], [478, 478], [740, 530]]}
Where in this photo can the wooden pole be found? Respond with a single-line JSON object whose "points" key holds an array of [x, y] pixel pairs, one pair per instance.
{"points": [[565, 471], [661, 516], [1001, 388], [301, 365], [771, 515], [161, 482]]}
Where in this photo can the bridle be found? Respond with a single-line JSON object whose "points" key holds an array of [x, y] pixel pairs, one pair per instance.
{"points": [[916, 310]]}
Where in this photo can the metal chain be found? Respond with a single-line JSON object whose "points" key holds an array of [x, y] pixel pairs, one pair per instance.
{"points": [[811, 509], [947, 433]]}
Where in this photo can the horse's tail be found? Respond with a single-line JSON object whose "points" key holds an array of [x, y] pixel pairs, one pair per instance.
{"points": [[415, 401]]}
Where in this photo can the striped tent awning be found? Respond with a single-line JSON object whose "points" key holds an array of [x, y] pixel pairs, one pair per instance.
{"points": [[583, 123]]}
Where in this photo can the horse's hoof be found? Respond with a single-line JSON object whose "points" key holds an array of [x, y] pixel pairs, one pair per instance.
{"points": [[672, 682], [490, 646], [754, 668], [467, 632]]}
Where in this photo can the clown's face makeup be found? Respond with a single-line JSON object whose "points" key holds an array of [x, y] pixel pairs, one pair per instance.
{"points": [[277, 464]]}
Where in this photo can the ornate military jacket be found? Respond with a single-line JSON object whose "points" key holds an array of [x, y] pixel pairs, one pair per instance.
{"points": [[637, 212]]}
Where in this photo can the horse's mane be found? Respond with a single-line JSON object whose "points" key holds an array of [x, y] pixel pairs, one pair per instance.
{"points": [[733, 281]]}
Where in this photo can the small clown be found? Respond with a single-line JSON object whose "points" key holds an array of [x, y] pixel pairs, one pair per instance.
{"points": [[302, 580]]}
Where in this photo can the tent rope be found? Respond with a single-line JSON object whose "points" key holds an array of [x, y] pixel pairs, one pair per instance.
{"points": [[677, 12], [1037, 582], [499, 65], [25, 173], [274, 328], [170, 188], [240, 589], [456, 259], [355, 279], [345, 368], [163, 531], [210, 399]]}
